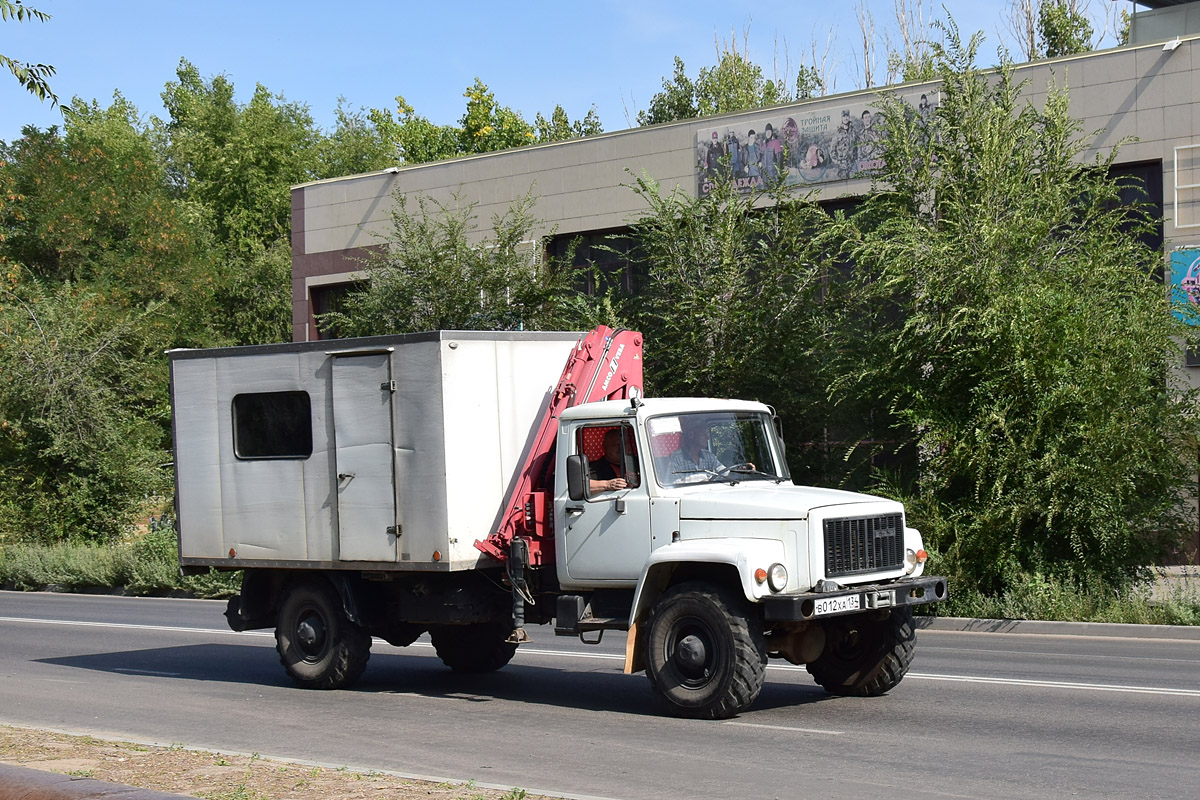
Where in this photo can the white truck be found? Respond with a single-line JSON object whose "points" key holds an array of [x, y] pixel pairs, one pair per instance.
{"points": [[464, 484]]}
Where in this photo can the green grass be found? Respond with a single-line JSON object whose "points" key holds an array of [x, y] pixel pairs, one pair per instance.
{"points": [[1041, 597], [144, 565]]}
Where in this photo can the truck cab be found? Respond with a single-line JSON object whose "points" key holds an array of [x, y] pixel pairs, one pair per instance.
{"points": [[705, 510]]}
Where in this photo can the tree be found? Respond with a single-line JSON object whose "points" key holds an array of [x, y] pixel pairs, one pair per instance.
{"points": [[487, 126], [560, 127], [869, 44], [1049, 28], [360, 142], [677, 100], [1063, 28], [438, 272], [1021, 19], [415, 138], [90, 206], [34, 77], [236, 160], [912, 60], [734, 300], [1015, 320], [1124, 26], [81, 434], [381, 138], [102, 268], [735, 83], [233, 165]]}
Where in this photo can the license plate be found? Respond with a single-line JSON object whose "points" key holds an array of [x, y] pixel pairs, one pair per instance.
{"points": [[836, 605]]}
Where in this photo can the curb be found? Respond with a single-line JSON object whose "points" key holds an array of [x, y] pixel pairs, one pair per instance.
{"points": [[22, 783], [1046, 628]]}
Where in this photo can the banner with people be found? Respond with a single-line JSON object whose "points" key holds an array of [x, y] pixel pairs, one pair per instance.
{"points": [[818, 146]]}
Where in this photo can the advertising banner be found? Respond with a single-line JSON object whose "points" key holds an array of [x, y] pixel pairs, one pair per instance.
{"points": [[805, 148], [1185, 284]]}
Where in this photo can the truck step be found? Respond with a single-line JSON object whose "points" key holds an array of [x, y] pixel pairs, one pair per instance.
{"points": [[593, 624]]}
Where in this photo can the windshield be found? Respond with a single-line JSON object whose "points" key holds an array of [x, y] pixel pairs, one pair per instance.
{"points": [[726, 447]]}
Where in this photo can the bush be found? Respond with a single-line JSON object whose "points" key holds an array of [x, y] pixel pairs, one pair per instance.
{"points": [[213, 584], [81, 407], [1043, 597], [152, 563], [146, 565], [1022, 336], [70, 566]]}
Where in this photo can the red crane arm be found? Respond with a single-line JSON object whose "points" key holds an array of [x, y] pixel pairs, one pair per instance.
{"points": [[606, 364]]}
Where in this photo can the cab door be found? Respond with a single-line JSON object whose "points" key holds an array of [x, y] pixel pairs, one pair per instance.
{"points": [[607, 535]]}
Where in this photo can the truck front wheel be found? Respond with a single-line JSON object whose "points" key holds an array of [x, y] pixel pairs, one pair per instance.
{"points": [[705, 656], [318, 646], [865, 657], [478, 648]]}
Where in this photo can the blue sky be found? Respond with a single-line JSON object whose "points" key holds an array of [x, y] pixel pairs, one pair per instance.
{"points": [[533, 55]]}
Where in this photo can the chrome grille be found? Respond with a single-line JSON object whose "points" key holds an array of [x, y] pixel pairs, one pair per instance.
{"points": [[866, 544]]}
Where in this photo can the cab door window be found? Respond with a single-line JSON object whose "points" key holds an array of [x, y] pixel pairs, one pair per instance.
{"points": [[612, 457]]}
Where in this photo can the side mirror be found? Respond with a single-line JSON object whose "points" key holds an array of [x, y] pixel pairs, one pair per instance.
{"points": [[578, 477]]}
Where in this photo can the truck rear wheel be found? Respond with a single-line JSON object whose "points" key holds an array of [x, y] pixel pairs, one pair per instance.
{"points": [[865, 657], [705, 656], [482, 647], [318, 646]]}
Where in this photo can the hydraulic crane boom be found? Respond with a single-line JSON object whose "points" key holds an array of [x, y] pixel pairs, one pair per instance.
{"points": [[605, 365]]}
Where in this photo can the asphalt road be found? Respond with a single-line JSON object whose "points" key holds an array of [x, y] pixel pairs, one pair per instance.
{"points": [[996, 715]]}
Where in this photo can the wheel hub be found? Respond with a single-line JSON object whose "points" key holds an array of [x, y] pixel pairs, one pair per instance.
{"points": [[310, 635], [691, 655]]}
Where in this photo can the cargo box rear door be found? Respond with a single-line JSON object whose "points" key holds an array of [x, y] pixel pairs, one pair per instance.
{"points": [[362, 424]]}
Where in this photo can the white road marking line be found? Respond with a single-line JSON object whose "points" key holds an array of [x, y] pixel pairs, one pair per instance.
{"points": [[1093, 687], [1045, 684], [134, 626], [786, 728], [147, 672], [570, 654]]}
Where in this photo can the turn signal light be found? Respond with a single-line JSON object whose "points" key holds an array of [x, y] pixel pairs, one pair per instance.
{"points": [[760, 576], [437, 555], [922, 556]]}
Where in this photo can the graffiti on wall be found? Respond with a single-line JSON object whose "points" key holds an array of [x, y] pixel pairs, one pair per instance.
{"points": [[798, 148]]}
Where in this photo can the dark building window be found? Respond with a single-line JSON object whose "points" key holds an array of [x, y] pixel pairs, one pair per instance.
{"points": [[324, 299], [272, 425], [1142, 183], [603, 259]]}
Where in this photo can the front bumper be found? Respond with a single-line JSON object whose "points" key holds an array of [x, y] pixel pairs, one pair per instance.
{"points": [[854, 599]]}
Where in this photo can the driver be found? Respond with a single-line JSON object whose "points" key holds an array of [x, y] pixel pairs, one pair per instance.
{"points": [[608, 474], [692, 457]]}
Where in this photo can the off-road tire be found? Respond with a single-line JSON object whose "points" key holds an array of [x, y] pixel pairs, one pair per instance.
{"points": [[477, 648], [865, 657], [318, 646], [705, 652]]}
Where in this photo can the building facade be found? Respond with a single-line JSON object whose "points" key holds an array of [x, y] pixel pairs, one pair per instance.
{"points": [[1145, 96]]}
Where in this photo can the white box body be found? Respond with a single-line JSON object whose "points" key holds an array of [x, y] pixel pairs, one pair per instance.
{"points": [[415, 443]]}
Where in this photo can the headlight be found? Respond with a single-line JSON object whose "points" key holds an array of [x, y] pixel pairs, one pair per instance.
{"points": [[777, 577], [915, 559]]}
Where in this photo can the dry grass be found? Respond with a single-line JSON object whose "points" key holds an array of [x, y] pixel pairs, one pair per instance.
{"points": [[217, 776]]}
